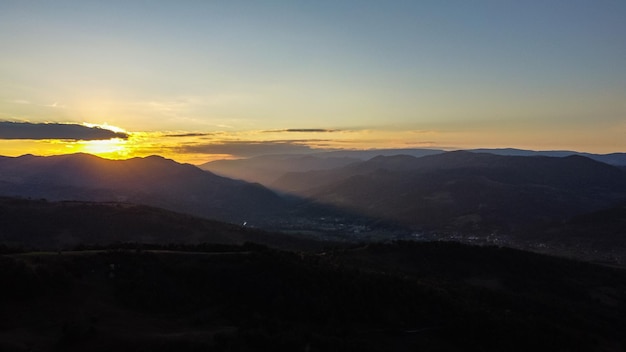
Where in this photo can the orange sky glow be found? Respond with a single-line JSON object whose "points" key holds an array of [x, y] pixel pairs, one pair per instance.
{"points": [[196, 147], [204, 80]]}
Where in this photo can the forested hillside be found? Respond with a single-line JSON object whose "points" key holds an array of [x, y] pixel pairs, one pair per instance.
{"points": [[395, 297]]}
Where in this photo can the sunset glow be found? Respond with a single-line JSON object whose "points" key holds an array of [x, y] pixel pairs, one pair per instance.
{"points": [[175, 79], [111, 149]]}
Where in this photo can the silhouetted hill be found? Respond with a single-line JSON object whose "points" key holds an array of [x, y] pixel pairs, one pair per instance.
{"points": [[153, 181], [396, 297], [62, 225], [465, 191]]}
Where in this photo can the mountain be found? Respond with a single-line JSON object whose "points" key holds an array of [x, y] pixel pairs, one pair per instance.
{"points": [[616, 159], [513, 169], [268, 169], [63, 225], [152, 181], [366, 154], [464, 191]]}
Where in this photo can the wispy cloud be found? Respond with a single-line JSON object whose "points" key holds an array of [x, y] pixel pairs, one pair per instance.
{"points": [[55, 105], [38, 131], [305, 130]]}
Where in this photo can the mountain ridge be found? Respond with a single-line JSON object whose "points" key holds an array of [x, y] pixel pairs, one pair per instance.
{"points": [[152, 180], [514, 200], [466, 188], [267, 169]]}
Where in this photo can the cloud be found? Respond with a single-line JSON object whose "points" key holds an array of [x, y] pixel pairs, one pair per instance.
{"points": [[26, 130], [250, 148], [305, 130], [189, 135], [55, 105]]}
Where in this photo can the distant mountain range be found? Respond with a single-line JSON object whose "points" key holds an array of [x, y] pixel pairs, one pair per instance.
{"points": [[616, 159], [521, 201], [465, 191], [267, 169]]}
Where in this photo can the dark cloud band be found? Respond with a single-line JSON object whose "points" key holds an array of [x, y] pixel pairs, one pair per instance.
{"points": [[180, 135], [38, 131], [306, 130]]}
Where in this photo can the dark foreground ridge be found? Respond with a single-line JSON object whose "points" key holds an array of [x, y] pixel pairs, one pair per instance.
{"points": [[396, 297], [43, 225]]}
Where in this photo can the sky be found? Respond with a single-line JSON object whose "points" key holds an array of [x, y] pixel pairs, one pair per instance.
{"points": [[203, 80]]}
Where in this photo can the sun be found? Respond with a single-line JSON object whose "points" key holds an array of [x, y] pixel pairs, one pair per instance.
{"points": [[110, 148], [116, 148]]}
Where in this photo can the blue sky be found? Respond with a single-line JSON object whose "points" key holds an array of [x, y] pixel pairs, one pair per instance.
{"points": [[533, 74]]}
